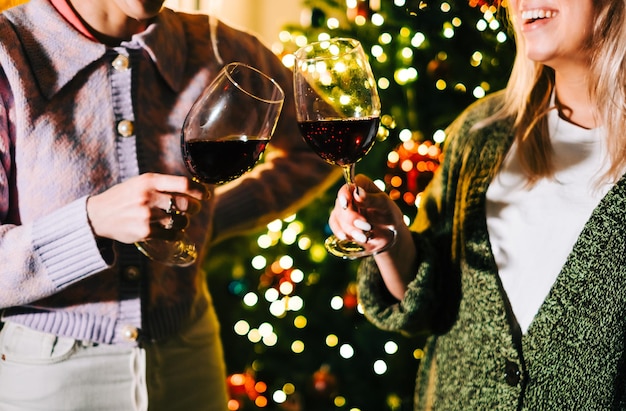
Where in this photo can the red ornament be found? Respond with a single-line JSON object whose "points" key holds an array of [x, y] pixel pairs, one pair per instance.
{"points": [[350, 300]]}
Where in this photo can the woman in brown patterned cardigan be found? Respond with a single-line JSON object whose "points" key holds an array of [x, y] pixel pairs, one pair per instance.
{"points": [[515, 266]]}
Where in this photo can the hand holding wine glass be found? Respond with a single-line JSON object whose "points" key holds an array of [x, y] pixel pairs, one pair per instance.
{"points": [[338, 111], [223, 136]]}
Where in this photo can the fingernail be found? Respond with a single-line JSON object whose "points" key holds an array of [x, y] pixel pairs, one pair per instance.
{"points": [[358, 236], [341, 236], [343, 202], [362, 224], [357, 193]]}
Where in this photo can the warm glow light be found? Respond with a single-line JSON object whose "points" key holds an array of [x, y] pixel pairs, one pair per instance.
{"points": [[300, 321], [346, 351], [391, 347], [297, 347], [332, 340], [380, 367], [336, 303], [279, 397], [260, 401], [259, 262], [271, 294], [250, 299], [241, 327], [296, 276]]}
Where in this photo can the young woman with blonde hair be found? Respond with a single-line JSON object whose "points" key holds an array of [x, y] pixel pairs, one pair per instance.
{"points": [[515, 266]]}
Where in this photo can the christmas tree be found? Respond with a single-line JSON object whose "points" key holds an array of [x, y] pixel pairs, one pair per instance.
{"points": [[294, 336]]}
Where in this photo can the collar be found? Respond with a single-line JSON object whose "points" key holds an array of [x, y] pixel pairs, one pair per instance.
{"points": [[55, 63]]}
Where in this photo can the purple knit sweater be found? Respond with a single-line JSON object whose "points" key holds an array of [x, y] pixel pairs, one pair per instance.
{"points": [[62, 97]]}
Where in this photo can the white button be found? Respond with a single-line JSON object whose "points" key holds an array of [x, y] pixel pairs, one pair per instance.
{"points": [[130, 333], [120, 63], [125, 128]]}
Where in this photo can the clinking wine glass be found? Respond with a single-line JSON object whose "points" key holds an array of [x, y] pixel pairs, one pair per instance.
{"points": [[223, 136], [338, 112]]}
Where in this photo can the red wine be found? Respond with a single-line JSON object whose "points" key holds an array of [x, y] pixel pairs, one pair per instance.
{"points": [[340, 141], [220, 161]]}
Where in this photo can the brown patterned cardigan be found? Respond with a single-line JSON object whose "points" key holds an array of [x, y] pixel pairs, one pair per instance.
{"points": [[571, 358]]}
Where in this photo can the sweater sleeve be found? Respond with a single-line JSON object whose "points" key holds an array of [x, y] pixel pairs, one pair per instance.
{"points": [[289, 176], [39, 258], [431, 302]]}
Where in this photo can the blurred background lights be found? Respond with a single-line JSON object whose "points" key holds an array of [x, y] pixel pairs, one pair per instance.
{"points": [[275, 225], [304, 243], [286, 262], [265, 241], [258, 262], [285, 288], [332, 23], [418, 39], [241, 327], [278, 308], [250, 299], [295, 303], [339, 401], [297, 346], [439, 136], [254, 335], [336, 303], [391, 347], [332, 340], [380, 367], [300, 321], [378, 19], [271, 294], [296, 276], [279, 396], [346, 351]]}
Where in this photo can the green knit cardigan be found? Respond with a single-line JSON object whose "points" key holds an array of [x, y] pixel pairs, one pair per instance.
{"points": [[573, 355]]}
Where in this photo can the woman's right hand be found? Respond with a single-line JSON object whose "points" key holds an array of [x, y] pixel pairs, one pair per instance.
{"points": [[361, 214], [137, 209], [363, 211]]}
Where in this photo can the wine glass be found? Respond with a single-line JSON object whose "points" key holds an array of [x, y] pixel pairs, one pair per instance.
{"points": [[338, 111], [223, 136]]}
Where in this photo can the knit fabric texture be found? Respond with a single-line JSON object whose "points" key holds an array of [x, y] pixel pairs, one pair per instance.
{"points": [[571, 358]]}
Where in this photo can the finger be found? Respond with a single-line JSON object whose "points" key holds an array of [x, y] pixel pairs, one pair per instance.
{"points": [[175, 184]]}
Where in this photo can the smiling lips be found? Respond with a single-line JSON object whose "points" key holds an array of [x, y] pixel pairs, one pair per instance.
{"points": [[529, 16]]}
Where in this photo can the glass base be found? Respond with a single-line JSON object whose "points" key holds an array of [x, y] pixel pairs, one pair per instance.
{"points": [[345, 248], [178, 253], [352, 250]]}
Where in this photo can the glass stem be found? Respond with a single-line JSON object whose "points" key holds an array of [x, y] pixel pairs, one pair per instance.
{"points": [[348, 174]]}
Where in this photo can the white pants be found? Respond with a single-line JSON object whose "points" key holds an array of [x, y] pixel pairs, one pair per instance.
{"points": [[40, 371]]}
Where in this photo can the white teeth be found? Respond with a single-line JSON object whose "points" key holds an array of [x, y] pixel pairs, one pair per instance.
{"points": [[538, 14]]}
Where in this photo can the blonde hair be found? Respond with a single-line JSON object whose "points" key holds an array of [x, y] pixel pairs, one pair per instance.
{"points": [[529, 90]]}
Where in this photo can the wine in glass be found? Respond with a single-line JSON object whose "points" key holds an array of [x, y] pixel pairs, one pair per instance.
{"points": [[338, 112], [223, 136]]}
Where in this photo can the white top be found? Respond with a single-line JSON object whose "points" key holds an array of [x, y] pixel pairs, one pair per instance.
{"points": [[532, 230]]}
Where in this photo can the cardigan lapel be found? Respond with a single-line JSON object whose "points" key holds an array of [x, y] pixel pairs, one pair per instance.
{"points": [[597, 260]]}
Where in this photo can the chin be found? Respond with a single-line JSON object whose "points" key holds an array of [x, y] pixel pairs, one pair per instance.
{"points": [[145, 9]]}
